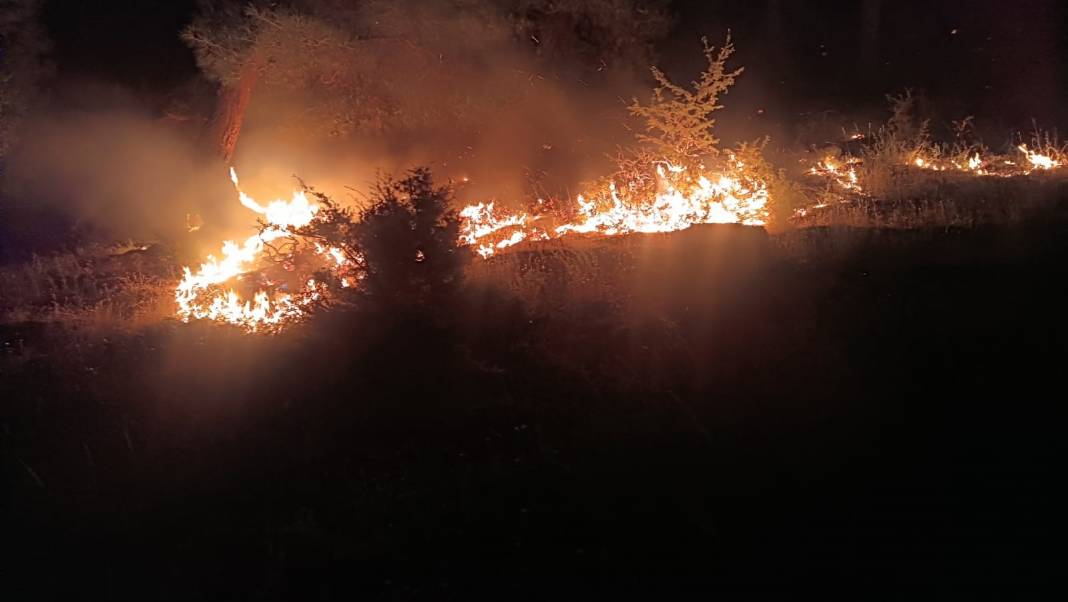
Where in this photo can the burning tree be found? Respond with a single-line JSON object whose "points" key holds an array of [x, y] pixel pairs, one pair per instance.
{"points": [[677, 144]]}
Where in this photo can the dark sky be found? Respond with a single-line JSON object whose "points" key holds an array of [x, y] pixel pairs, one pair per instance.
{"points": [[130, 42], [1000, 60]]}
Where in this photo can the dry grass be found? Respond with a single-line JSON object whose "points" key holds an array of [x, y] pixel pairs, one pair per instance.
{"points": [[905, 179], [111, 288], [923, 199]]}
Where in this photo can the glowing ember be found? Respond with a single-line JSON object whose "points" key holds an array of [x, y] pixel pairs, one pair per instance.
{"points": [[842, 172]]}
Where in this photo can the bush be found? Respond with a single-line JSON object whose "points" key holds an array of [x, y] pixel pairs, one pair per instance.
{"points": [[402, 247]]}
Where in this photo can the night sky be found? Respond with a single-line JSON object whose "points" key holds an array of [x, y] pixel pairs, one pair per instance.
{"points": [[983, 58]]}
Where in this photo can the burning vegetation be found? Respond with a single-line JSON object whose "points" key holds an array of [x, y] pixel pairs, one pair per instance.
{"points": [[348, 74], [575, 317], [674, 177]]}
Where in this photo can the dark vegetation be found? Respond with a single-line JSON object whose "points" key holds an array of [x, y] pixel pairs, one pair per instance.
{"points": [[832, 408]]}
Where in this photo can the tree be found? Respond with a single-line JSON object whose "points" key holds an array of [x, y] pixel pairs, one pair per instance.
{"points": [[241, 49], [384, 65], [678, 121]]}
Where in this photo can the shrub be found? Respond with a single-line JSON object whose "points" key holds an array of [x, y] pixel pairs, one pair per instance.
{"points": [[403, 244], [678, 121]]}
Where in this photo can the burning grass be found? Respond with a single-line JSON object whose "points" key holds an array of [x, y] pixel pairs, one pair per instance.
{"points": [[902, 178]]}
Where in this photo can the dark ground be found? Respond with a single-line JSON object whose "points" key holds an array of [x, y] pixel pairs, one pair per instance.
{"points": [[868, 413]]}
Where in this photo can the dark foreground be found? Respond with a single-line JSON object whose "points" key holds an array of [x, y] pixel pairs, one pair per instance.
{"points": [[837, 411]]}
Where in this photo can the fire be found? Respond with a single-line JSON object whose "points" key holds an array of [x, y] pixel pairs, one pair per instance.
{"points": [[482, 221], [1039, 161], [209, 294], [841, 172], [999, 165], [731, 195], [678, 203]]}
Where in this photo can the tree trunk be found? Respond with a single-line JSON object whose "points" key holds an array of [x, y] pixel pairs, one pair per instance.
{"points": [[230, 112]]}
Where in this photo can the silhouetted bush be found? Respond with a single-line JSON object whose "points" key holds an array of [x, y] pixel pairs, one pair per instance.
{"points": [[401, 249]]}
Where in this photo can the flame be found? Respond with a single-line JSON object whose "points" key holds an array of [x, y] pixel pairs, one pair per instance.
{"points": [[1039, 161], [206, 294], [843, 173], [481, 221], [731, 197], [680, 200], [999, 165], [209, 293]]}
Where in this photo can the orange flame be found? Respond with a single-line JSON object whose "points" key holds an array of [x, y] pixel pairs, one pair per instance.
{"points": [[200, 295], [208, 293], [728, 198]]}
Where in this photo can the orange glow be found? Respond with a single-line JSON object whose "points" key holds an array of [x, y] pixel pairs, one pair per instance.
{"points": [[732, 197], [208, 293]]}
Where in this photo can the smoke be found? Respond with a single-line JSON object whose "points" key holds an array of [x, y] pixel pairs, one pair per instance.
{"points": [[515, 99], [509, 100], [115, 169]]}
